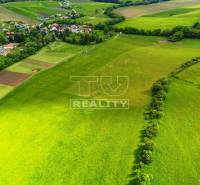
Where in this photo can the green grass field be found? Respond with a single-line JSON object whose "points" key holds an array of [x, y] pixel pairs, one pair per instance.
{"points": [[185, 16], [47, 142], [93, 11], [138, 11], [49, 55], [34, 9], [31, 11], [191, 74], [4, 89], [8, 15], [176, 157]]}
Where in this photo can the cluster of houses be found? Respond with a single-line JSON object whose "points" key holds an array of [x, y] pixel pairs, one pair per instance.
{"points": [[7, 48], [75, 28], [70, 15], [72, 28]]}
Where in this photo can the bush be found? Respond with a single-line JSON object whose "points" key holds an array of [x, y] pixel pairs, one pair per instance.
{"points": [[156, 88], [146, 156], [142, 179], [147, 144], [177, 36], [151, 131]]}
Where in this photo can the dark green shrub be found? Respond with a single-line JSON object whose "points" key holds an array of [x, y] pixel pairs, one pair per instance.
{"points": [[142, 179], [177, 36], [147, 144], [146, 156], [151, 131]]}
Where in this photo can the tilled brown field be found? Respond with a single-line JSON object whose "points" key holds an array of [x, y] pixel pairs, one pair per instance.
{"points": [[12, 78]]}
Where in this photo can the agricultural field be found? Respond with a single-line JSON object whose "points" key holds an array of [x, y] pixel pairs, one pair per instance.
{"points": [[31, 11], [178, 146], [34, 9], [185, 16], [138, 11], [48, 57], [8, 15], [44, 140], [191, 75], [48, 142], [93, 11]]}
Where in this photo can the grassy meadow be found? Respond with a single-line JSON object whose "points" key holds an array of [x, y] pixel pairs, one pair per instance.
{"points": [[47, 57], [138, 11], [176, 156], [34, 9], [191, 74], [8, 15], [185, 16], [31, 11], [47, 142], [93, 11]]}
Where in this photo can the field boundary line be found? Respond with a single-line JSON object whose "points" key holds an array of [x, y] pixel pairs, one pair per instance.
{"points": [[152, 115]]}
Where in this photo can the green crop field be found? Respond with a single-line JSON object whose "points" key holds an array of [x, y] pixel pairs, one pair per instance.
{"points": [[191, 74], [185, 16], [138, 11], [31, 11], [47, 142], [50, 55], [34, 9], [4, 89], [8, 15], [93, 11], [176, 157]]}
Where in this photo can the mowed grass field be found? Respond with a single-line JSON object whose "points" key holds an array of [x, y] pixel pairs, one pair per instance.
{"points": [[31, 11], [185, 16], [93, 11], [8, 15], [47, 142], [191, 74], [47, 57], [138, 11], [34, 9], [176, 156]]}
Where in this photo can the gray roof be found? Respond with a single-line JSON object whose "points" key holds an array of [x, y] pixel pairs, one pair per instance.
{"points": [[2, 50]]}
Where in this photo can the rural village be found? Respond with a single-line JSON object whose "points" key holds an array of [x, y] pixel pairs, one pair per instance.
{"points": [[20, 29]]}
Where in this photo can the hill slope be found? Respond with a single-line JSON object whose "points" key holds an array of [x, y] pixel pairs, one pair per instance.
{"points": [[185, 16], [178, 144], [47, 142]]}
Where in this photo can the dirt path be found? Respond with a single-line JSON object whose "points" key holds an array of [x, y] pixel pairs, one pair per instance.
{"points": [[137, 11]]}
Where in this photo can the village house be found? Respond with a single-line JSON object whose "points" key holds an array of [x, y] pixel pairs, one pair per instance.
{"points": [[54, 27], [79, 28], [72, 28], [10, 46], [10, 35], [3, 51]]}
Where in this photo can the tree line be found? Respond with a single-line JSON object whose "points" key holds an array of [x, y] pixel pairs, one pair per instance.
{"points": [[130, 3], [152, 115]]}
